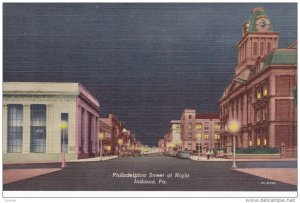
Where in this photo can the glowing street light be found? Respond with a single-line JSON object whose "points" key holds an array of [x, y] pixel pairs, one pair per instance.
{"points": [[120, 142], [233, 127], [63, 127], [101, 136]]}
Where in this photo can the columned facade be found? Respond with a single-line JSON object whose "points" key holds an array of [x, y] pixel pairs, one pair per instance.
{"points": [[33, 114]]}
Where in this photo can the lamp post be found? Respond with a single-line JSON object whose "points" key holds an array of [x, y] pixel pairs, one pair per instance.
{"points": [[120, 142], [234, 127], [63, 126], [198, 137], [101, 136]]}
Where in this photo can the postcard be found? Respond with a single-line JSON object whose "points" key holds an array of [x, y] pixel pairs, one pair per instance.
{"points": [[150, 100]]}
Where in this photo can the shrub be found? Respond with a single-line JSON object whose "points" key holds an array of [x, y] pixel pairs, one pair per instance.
{"points": [[258, 150]]}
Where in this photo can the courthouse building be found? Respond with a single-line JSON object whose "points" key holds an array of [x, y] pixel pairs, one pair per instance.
{"points": [[42, 119], [260, 95]]}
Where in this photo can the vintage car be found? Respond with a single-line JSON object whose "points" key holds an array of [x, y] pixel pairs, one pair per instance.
{"points": [[184, 154]]}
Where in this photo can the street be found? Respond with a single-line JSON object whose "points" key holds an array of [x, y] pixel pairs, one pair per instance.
{"points": [[152, 173]]}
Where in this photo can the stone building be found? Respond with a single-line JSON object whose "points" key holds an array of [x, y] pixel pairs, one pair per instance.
{"points": [[41, 119], [200, 131], [260, 95]]}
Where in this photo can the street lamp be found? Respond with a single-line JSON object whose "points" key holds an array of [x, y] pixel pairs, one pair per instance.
{"points": [[198, 137], [233, 127], [63, 126], [101, 136], [120, 142]]}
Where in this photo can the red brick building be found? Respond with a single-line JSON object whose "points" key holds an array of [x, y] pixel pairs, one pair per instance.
{"points": [[260, 95]]}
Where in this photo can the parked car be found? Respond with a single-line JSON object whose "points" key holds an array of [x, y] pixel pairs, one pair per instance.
{"points": [[172, 153], [184, 154]]}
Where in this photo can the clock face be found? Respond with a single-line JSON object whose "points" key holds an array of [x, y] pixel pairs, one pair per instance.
{"points": [[263, 24]]}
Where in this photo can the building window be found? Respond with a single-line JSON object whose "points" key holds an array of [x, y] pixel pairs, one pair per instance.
{"points": [[198, 126], [190, 116], [265, 113], [257, 115], [15, 128], [206, 136], [64, 132], [190, 135], [217, 126], [258, 141], [265, 91], [38, 128], [269, 47], [190, 126], [250, 141], [261, 48], [217, 136], [206, 126], [258, 94], [265, 141], [255, 48]]}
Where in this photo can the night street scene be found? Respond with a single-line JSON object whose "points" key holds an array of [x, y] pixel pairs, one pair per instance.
{"points": [[134, 97]]}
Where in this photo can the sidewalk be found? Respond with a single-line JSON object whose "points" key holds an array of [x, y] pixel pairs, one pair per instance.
{"points": [[103, 158], [204, 158], [285, 175], [13, 175]]}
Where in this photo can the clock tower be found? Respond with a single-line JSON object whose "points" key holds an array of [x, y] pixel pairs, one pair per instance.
{"points": [[258, 39]]}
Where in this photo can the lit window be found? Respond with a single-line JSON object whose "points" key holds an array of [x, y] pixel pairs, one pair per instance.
{"points": [[198, 126], [265, 92], [217, 136], [206, 136], [190, 126], [265, 141], [258, 141], [258, 96], [217, 126]]}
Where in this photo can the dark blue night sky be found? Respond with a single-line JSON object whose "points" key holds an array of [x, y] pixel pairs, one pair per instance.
{"points": [[145, 63]]}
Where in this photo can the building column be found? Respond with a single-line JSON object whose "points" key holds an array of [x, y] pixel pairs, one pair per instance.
{"points": [[78, 130], [245, 140], [97, 137], [49, 128], [93, 134], [4, 129], [26, 128], [86, 131], [271, 136]]}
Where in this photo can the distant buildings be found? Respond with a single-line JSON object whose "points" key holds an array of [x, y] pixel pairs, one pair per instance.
{"points": [[260, 95], [41, 119], [200, 131], [193, 132], [115, 138]]}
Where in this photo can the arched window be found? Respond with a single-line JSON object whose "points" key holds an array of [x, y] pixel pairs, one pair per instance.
{"points": [[255, 48], [261, 48], [269, 47]]}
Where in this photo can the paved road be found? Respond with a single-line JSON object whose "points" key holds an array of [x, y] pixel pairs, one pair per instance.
{"points": [[194, 176]]}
